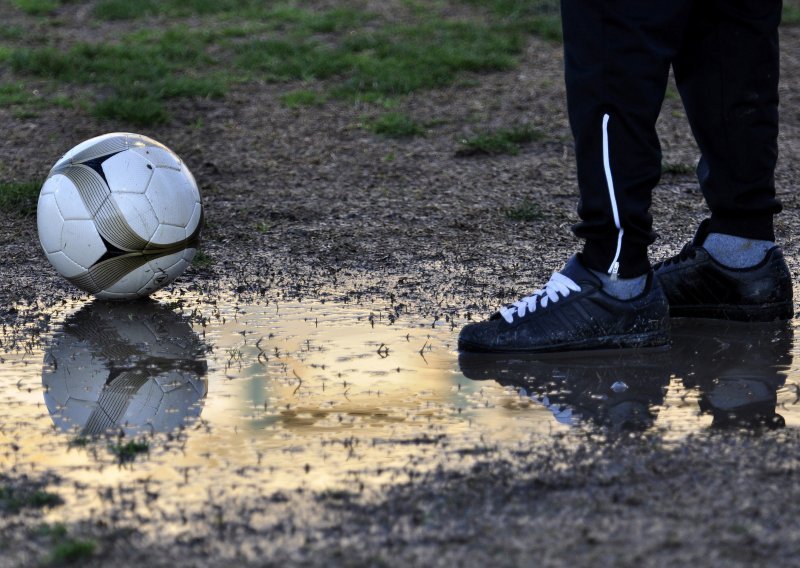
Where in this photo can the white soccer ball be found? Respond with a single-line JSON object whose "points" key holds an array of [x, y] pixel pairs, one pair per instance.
{"points": [[116, 367], [120, 216]]}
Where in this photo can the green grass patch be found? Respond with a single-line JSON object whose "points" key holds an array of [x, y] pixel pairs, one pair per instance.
{"points": [[526, 210], [72, 551], [37, 7], [15, 94], [398, 60], [141, 72], [791, 13], [395, 125], [15, 499], [128, 451], [302, 98], [19, 196], [202, 260], [501, 141], [272, 15], [11, 32], [677, 168], [134, 76], [538, 17]]}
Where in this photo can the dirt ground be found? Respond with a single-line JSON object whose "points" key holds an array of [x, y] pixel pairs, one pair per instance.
{"points": [[346, 213]]}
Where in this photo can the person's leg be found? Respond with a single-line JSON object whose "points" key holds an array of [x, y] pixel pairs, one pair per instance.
{"points": [[617, 59], [727, 74]]}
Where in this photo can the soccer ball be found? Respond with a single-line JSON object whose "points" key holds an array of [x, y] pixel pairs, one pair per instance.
{"points": [[120, 216], [115, 367]]}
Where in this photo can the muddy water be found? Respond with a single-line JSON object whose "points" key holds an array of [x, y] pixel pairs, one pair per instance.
{"points": [[223, 397]]}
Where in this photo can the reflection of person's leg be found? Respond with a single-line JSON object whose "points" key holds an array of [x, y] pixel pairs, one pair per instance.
{"points": [[617, 58], [727, 74]]}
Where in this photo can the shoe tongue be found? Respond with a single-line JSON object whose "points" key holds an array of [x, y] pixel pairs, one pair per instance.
{"points": [[702, 233], [578, 273]]}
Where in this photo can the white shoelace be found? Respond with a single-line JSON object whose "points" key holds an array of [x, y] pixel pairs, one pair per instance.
{"points": [[558, 287]]}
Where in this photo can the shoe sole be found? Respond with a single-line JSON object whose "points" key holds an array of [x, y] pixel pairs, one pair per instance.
{"points": [[608, 343], [761, 313]]}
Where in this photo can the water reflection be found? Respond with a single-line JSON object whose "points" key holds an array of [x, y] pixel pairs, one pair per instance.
{"points": [[736, 369], [132, 367]]}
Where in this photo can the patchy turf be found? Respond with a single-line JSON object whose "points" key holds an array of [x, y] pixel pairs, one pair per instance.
{"points": [[304, 199]]}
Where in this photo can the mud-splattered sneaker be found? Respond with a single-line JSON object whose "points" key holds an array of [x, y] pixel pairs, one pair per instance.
{"points": [[698, 286], [572, 312]]}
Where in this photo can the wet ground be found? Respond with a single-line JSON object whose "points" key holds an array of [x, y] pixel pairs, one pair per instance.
{"points": [[171, 418], [296, 398]]}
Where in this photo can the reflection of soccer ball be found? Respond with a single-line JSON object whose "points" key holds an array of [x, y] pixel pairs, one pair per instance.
{"points": [[119, 216], [116, 366]]}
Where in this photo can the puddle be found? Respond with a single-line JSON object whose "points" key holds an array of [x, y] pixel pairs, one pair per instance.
{"points": [[201, 396]]}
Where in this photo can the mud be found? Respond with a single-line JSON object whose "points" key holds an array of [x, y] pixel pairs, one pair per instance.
{"points": [[348, 217]]}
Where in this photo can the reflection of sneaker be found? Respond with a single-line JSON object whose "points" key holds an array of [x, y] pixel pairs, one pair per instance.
{"points": [[698, 286], [737, 368], [618, 390], [572, 312]]}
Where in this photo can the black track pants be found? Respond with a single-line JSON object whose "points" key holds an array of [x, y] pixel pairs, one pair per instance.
{"points": [[617, 59]]}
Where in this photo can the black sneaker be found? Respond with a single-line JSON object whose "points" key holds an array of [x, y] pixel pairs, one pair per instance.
{"points": [[572, 312], [698, 286]]}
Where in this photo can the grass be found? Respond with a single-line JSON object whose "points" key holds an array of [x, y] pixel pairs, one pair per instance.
{"points": [[500, 141], [677, 168], [15, 499], [395, 125], [19, 196], [72, 551], [128, 451], [526, 210], [302, 98], [65, 549], [791, 12], [538, 17], [202, 260], [133, 78], [36, 7], [140, 72]]}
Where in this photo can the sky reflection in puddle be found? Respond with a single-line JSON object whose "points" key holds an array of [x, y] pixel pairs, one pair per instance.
{"points": [[324, 395]]}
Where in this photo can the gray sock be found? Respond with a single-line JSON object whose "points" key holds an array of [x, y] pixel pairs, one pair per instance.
{"points": [[736, 252], [622, 288]]}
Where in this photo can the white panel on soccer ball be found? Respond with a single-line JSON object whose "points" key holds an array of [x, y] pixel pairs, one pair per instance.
{"points": [[173, 265], [195, 219], [172, 196], [128, 172], [131, 282], [85, 145], [49, 222], [69, 201], [81, 242], [188, 255], [168, 234], [50, 185], [138, 213], [66, 267], [159, 157]]}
